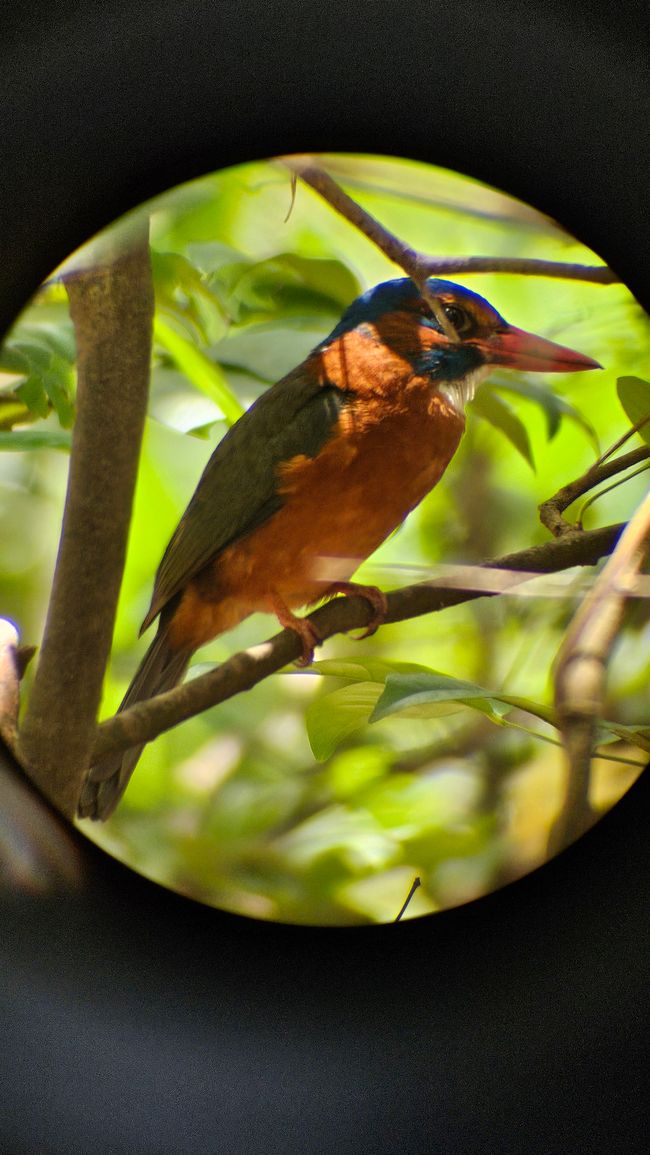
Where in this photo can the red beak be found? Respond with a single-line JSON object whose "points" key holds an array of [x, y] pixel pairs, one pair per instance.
{"points": [[517, 349]]}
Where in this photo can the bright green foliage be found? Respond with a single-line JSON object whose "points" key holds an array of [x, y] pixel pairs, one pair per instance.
{"points": [[428, 749]]}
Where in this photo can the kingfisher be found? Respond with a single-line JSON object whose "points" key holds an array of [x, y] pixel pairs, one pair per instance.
{"points": [[320, 470]]}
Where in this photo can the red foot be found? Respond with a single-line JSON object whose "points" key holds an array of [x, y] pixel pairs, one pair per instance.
{"points": [[371, 594], [307, 632]]}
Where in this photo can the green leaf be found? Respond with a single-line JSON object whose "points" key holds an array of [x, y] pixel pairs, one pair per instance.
{"points": [[32, 394], [199, 369], [409, 691], [421, 692], [57, 382], [38, 355], [537, 709], [60, 398], [22, 439], [365, 669], [12, 360], [553, 407], [634, 395], [492, 408], [181, 288], [288, 282], [635, 735], [12, 413], [334, 717], [51, 330]]}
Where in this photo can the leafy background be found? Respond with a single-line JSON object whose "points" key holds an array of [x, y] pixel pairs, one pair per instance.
{"points": [[427, 750]]}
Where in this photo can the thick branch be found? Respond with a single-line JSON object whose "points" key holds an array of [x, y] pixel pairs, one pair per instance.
{"points": [[582, 666], [145, 720], [418, 265], [111, 306], [550, 512]]}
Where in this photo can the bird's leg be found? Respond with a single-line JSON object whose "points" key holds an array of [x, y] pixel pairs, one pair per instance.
{"points": [[307, 632], [371, 594]]}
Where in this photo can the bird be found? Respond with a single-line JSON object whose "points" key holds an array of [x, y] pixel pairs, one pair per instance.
{"points": [[317, 473]]}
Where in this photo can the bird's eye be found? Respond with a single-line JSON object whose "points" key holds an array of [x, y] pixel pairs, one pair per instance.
{"points": [[458, 317]]}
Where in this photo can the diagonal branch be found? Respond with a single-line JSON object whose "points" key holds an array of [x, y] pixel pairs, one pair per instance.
{"points": [[111, 306], [550, 512], [145, 720], [418, 265]]}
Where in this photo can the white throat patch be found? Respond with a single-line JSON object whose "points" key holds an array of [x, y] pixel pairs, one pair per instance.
{"points": [[458, 393]]}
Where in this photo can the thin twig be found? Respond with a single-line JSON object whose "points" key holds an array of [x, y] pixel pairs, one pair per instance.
{"points": [[111, 305], [550, 511], [414, 886], [418, 265], [581, 670], [608, 489], [636, 428], [145, 720]]}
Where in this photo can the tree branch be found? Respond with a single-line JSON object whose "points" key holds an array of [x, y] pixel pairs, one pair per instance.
{"points": [[418, 265], [145, 720], [581, 671], [111, 305], [550, 512]]}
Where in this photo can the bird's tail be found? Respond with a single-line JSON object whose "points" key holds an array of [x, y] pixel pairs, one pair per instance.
{"points": [[160, 669]]}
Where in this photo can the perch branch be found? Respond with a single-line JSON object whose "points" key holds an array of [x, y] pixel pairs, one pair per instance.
{"points": [[145, 720], [581, 671], [418, 265], [111, 305]]}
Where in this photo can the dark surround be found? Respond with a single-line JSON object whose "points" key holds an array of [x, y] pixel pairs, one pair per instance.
{"points": [[135, 1020]]}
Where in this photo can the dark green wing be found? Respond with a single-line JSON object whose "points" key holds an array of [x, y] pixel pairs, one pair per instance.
{"points": [[238, 488]]}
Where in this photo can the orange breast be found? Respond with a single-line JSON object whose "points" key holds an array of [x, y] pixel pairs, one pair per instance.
{"points": [[384, 456]]}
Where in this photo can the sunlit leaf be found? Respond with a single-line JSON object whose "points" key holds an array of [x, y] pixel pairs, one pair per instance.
{"points": [[365, 669], [634, 395], [12, 413], [334, 717]]}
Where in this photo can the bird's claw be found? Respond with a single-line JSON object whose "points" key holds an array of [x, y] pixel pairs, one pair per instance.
{"points": [[306, 630], [309, 637], [376, 598]]}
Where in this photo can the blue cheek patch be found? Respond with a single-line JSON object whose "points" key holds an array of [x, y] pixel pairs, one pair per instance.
{"points": [[451, 363]]}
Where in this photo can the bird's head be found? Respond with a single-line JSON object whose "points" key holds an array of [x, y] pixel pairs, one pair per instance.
{"points": [[476, 337]]}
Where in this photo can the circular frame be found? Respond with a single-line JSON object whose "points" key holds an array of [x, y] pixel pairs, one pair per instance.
{"points": [[140, 1021]]}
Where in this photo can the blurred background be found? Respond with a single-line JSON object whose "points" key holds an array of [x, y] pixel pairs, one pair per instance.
{"points": [[288, 802]]}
